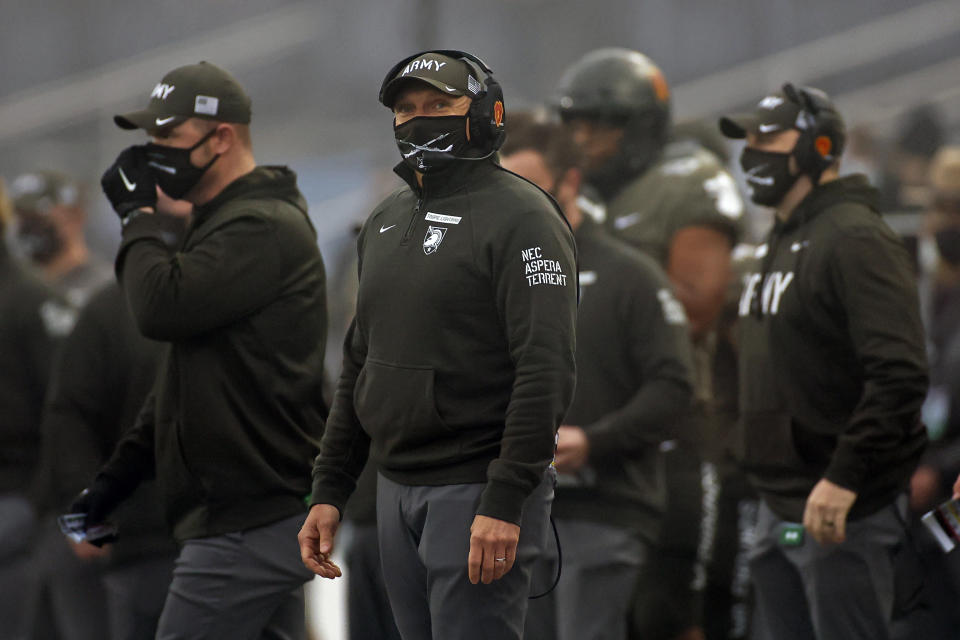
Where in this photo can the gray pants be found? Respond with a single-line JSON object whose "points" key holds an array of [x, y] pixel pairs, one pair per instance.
{"points": [[601, 564], [18, 524], [368, 607], [814, 592], [424, 543], [244, 585]]}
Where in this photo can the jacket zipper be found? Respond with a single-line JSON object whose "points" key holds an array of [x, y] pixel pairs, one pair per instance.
{"points": [[413, 221]]}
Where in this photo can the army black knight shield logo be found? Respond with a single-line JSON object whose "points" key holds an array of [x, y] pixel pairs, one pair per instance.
{"points": [[432, 240]]}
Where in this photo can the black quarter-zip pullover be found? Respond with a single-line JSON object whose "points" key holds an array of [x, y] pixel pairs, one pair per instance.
{"points": [[460, 362]]}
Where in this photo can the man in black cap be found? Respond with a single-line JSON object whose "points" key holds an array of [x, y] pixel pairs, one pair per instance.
{"points": [[832, 377], [236, 412], [458, 366]]}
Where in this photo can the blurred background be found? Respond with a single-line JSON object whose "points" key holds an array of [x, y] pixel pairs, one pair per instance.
{"points": [[313, 70]]}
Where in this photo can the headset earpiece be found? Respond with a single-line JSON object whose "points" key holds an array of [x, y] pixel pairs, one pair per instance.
{"points": [[820, 141]]}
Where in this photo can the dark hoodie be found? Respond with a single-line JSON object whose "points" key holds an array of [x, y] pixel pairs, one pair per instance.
{"points": [[832, 364], [32, 320], [235, 417]]}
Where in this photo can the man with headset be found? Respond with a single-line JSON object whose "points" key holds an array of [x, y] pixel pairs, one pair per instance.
{"points": [[832, 378], [458, 366]]}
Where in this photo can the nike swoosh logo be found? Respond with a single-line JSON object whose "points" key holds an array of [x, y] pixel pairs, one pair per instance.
{"points": [[767, 128], [382, 229], [129, 185], [163, 121], [448, 87]]}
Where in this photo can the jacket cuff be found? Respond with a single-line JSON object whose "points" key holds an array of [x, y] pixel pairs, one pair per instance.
{"points": [[847, 468], [147, 226], [503, 501], [323, 493]]}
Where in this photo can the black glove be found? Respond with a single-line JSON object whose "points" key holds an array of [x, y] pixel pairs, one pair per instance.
{"points": [[97, 501], [129, 183]]}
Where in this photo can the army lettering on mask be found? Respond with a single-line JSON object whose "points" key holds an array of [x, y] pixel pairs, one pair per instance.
{"points": [[771, 293]]}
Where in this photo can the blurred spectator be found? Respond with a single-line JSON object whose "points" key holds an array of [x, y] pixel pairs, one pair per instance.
{"points": [[634, 383], [32, 319], [940, 304], [905, 185], [940, 300], [101, 379], [50, 212], [861, 154]]}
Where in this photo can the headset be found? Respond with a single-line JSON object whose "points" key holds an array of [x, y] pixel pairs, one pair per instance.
{"points": [[487, 117], [822, 132]]}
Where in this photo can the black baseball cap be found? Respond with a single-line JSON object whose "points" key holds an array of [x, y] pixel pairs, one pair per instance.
{"points": [[452, 76], [201, 90], [776, 112]]}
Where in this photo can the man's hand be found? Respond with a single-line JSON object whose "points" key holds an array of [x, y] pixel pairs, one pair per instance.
{"points": [[493, 549], [825, 516], [129, 183], [86, 551], [316, 540], [171, 207], [573, 449]]}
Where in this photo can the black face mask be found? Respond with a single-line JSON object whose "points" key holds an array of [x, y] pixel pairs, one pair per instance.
{"points": [[175, 174], [429, 143], [768, 174], [948, 244], [38, 238]]}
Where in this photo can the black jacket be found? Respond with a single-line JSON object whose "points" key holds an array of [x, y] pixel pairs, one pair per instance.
{"points": [[235, 417], [102, 375], [32, 320], [832, 364], [634, 383], [460, 362]]}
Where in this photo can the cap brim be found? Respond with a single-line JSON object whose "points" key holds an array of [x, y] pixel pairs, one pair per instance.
{"points": [[393, 88], [146, 119], [737, 126]]}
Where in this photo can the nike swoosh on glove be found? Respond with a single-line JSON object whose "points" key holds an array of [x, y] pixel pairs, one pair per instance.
{"points": [[129, 183]]}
